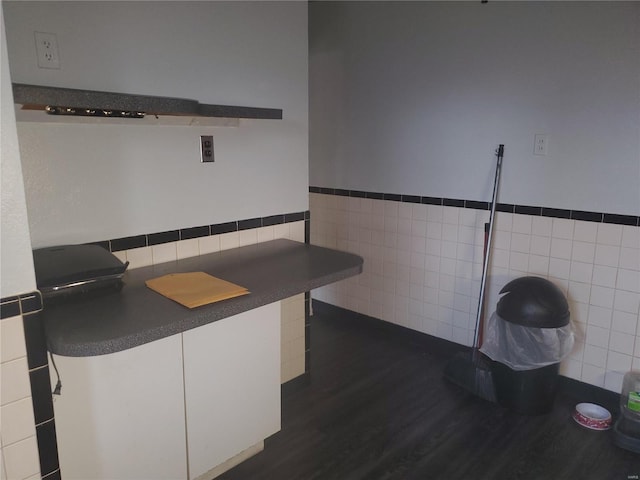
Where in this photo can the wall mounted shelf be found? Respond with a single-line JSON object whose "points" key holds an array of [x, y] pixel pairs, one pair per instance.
{"points": [[33, 99]]}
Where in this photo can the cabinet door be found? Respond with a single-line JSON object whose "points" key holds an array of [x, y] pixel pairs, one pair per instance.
{"points": [[232, 386], [121, 416]]}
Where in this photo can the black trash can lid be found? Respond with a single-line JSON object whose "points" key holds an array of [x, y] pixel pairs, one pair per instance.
{"points": [[533, 302]]}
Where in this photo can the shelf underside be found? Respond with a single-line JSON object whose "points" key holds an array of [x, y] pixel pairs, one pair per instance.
{"points": [[35, 97]]}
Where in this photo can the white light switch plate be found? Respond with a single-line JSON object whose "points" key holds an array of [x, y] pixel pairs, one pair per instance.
{"points": [[206, 148]]}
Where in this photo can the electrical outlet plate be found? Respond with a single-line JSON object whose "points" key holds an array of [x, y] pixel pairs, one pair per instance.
{"points": [[47, 50], [541, 144], [206, 148]]}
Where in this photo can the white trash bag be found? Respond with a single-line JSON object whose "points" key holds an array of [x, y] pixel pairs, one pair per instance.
{"points": [[526, 348]]}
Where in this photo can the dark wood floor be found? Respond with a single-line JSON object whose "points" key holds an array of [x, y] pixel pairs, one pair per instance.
{"points": [[377, 407]]}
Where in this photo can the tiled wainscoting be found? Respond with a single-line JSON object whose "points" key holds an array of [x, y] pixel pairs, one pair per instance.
{"points": [[423, 265], [26, 417], [292, 332]]}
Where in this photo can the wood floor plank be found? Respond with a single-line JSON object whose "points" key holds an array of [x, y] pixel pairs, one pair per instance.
{"points": [[378, 408]]}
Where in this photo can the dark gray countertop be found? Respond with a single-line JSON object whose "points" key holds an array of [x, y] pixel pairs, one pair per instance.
{"points": [[39, 95], [106, 322]]}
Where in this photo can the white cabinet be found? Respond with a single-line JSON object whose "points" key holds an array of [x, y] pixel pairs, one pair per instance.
{"points": [[174, 408], [232, 386], [121, 416]]}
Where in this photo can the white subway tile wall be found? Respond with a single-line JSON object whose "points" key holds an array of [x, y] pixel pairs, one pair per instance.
{"points": [[21, 459], [293, 314], [19, 456], [248, 237], [188, 248], [423, 267], [292, 338], [165, 252]]}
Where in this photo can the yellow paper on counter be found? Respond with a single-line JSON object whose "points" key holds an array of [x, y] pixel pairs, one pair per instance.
{"points": [[194, 289]]}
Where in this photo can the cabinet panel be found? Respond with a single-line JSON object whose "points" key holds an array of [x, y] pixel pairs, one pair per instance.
{"points": [[232, 386], [121, 416]]}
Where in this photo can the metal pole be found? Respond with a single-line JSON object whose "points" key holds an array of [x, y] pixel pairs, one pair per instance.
{"points": [[485, 265]]}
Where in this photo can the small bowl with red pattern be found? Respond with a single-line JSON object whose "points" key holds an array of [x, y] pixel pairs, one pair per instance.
{"points": [[592, 416]]}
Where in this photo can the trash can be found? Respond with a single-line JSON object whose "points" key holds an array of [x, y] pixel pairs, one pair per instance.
{"points": [[527, 337]]}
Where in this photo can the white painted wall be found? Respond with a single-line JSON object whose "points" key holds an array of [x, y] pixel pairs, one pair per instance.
{"points": [[16, 262], [413, 98], [87, 183], [18, 446]]}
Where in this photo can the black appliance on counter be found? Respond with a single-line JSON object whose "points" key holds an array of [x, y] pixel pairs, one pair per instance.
{"points": [[69, 270]]}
